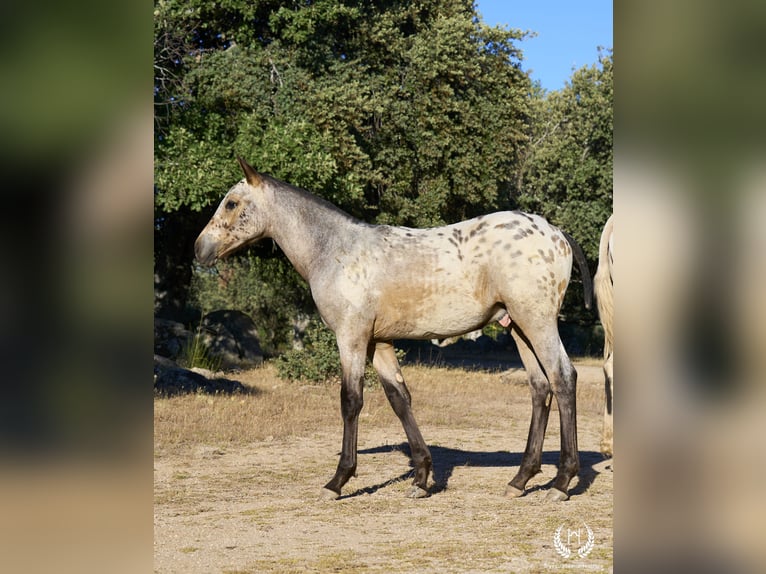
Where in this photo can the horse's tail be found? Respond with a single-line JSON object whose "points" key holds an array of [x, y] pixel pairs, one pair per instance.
{"points": [[587, 282], [604, 286]]}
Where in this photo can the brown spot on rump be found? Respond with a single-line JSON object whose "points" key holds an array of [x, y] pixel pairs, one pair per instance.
{"points": [[561, 244], [562, 288], [479, 229], [521, 233], [509, 225], [549, 257]]}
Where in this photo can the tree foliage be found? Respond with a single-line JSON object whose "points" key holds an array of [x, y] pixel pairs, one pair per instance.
{"points": [[566, 169], [403, 112]]}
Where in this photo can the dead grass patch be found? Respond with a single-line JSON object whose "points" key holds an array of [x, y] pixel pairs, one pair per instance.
{"points": [[275, 409], [244, 472]]}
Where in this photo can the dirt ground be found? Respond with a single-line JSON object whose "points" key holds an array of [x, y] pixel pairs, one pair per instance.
{"points": [[237, 481]]}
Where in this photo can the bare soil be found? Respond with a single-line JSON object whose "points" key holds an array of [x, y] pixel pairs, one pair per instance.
{"points": [[238, 479]]}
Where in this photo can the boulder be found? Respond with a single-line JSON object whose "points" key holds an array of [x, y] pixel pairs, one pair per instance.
{"points": [[170, 338], [171, 380], [232, 337]]}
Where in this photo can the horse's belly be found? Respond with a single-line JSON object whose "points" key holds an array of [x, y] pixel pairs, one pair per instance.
{"points": [[409, 318]]}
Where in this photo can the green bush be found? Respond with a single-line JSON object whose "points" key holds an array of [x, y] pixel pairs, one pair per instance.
{"points": [[260, 284], [196, 354], [319, 361]]}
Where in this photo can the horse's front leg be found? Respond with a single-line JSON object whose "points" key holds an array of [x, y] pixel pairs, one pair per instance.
{"points": [[352, 358]]}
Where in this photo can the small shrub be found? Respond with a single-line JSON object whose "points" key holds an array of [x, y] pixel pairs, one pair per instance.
{"points": [[196, 354], [319, 360], [263, 286]]}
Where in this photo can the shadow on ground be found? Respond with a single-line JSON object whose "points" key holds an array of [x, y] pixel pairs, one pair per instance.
{"points": [[177, 381], [446, 460], [482, 354]]}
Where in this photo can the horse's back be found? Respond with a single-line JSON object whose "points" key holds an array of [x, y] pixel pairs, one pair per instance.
{"points": [[448, 280]]}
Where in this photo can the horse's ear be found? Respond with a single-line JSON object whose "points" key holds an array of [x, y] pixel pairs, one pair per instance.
{"points": [[252, 176]]}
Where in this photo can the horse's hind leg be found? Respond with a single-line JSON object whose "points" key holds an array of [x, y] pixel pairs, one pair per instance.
{"points": [[541, 405], [564, 383], [562, 378], [607, 437], [387, 366]]}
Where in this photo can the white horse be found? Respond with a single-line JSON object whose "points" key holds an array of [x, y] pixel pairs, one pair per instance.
{"points": [[604, 289], [376, 283]]}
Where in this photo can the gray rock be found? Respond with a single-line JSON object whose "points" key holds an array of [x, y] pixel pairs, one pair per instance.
{"points": [[170, 338], [232, 337], [171, 380]]}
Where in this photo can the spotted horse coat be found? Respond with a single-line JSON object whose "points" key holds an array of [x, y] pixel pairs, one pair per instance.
{"points": [[376, 283]]}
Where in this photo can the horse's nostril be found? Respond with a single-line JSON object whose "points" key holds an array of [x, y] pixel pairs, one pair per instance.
{"points": [[204, 250]]}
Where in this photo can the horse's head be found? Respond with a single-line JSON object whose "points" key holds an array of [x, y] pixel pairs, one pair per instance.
{"points": [[238, 221]]}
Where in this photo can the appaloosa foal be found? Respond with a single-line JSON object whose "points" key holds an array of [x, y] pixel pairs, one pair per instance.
{"points": [[375, 283]]}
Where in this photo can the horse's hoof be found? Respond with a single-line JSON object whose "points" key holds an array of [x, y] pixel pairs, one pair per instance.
{"points": [[328, 494], [556, 495], [513, 492], [417, 492]]}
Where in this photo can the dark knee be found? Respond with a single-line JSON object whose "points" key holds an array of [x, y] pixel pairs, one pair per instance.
{"points": [[350, 403]]}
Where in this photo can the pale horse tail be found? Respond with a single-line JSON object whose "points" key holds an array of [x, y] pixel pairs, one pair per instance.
{"points": [[604, 285]]}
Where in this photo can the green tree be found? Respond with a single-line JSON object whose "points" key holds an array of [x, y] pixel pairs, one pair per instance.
{"points": [[565, 172], [402, 112], [399, 112]]}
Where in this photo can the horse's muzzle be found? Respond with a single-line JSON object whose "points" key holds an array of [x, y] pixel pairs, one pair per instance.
{"points": [[205, 250]]}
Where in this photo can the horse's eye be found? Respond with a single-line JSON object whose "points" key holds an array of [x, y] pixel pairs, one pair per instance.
{"points": [[231, 204]]}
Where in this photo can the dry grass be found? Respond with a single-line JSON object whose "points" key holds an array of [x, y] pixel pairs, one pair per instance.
{"points": [[237, 478], [271, 409], [274, 409]]}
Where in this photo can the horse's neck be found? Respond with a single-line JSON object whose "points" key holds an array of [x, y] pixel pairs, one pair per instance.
{"points": [[307, 231]]}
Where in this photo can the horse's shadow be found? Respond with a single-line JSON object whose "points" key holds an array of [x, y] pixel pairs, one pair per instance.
{"points": [[446, 459]]}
